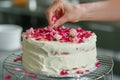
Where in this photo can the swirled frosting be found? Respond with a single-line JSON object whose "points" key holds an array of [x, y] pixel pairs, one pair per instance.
{"points": [[59, 57]]}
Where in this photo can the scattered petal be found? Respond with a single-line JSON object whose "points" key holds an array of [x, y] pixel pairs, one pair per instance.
{"points": [[97, 64], [63, 34], [64, 72], [17, 59], [34, 76], [79, 72], [87, 70], [8, 77]]}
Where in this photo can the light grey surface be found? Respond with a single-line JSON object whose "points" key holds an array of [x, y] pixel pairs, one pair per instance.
{"points": [[4, 54], [116, 77]]}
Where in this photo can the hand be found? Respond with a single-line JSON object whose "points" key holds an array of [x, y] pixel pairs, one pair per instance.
{"points": [[64, 12]]}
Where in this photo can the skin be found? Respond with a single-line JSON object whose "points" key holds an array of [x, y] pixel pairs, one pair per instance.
{"points": [[108, 10]]}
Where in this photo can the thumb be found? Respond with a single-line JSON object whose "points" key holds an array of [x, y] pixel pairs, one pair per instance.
{"points": [[60, 21]]}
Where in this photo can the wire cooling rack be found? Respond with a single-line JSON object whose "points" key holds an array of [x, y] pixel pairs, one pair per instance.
{"points": [[103, 72]]}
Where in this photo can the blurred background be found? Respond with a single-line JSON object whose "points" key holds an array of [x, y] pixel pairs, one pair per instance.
{"points": [[31, 13]]}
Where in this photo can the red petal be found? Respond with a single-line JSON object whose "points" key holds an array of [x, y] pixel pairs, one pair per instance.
{"points": [[8, 76]]}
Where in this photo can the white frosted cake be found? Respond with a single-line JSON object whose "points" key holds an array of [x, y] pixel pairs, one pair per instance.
{"points": [[60, 51]]}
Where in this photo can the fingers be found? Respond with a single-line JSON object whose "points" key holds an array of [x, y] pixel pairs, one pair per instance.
{"points": [[52, 10], [61, 21], [49, 17], [57, 13]]}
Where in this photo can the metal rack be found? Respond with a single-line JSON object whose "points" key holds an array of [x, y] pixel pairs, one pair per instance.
{"points": [[104, 72]]}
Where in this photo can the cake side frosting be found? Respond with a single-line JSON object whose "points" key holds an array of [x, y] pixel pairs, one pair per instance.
{"points": [[52, 57]]}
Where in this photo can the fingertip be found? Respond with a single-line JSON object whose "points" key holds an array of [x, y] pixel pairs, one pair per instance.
{"points": [[60, 22], [49, 17], [51, 22], [56, 24]]}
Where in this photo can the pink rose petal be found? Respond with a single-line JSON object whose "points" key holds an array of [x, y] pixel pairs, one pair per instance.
{"points": [[63, 34], [54, 19]]}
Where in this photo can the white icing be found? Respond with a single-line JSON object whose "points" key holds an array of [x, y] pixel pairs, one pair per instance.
{"points": [[52, 56]]}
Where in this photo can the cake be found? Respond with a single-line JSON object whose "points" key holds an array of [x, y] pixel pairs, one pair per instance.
{"points": [[59, 51]]}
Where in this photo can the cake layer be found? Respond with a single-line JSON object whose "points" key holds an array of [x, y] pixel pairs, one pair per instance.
{"points": [[53, 56]]}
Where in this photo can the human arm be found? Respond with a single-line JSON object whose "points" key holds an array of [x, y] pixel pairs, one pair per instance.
{"points": [[97, 11], [101, 11]]}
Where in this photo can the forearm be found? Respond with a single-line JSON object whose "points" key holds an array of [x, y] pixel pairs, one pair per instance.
{"points": [[101, 11]]}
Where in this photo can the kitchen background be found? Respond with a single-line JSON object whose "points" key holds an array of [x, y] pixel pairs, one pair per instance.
{"points": [[31, 13]]}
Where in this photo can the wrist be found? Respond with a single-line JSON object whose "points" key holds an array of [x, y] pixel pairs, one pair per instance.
{"points": [[95, 11], [81, 12]]}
